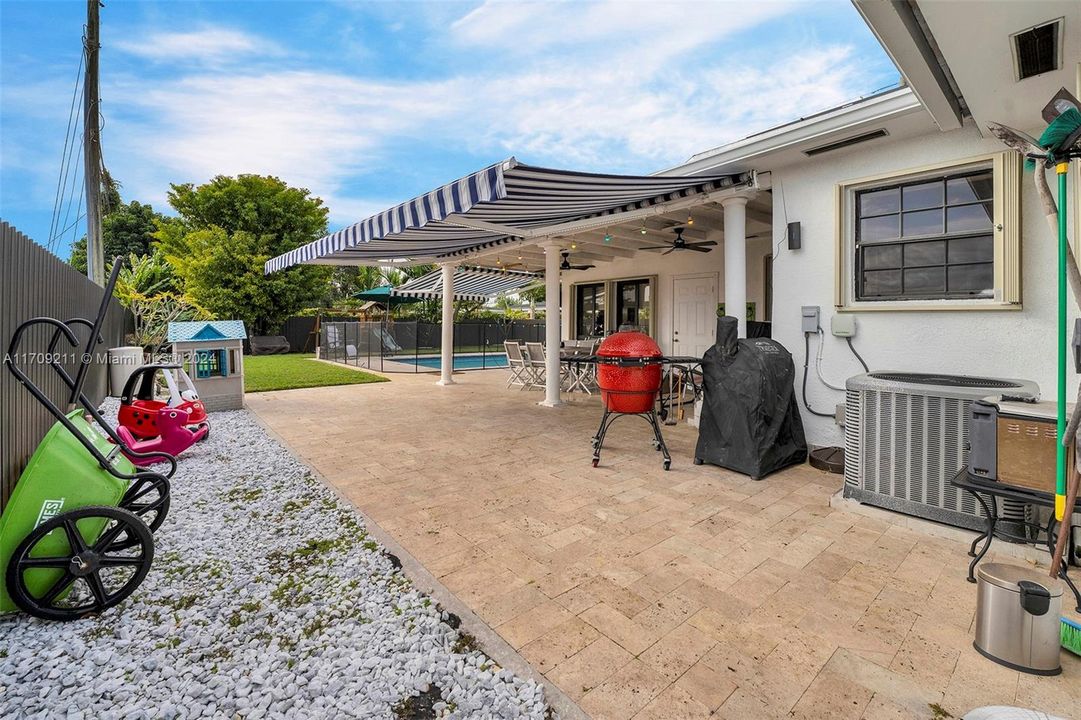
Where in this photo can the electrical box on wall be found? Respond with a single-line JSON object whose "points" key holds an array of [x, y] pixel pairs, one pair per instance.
{"points": [[810, 318], [843, 325]]}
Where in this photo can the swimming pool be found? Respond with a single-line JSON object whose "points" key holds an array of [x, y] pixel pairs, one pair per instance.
{"points": [[461, 362]]}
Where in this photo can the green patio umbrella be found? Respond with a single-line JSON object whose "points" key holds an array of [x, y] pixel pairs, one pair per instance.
{"points": [[384, 295]]}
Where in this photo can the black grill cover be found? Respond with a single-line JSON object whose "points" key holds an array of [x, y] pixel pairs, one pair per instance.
{"points": [[750, 419]]}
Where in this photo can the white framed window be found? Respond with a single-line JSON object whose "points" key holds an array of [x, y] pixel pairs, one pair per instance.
{"points": [[939, 237]]}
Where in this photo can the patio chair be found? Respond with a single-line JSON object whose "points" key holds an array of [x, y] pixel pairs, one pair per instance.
{"points": [[589, 372], [577, 376], [536, 362], [520, 372]]}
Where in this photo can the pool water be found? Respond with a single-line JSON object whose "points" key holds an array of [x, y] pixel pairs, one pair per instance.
{"points": [[461, 362]]}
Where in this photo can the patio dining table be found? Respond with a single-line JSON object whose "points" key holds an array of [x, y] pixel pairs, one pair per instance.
{"points": [[581, 374]]}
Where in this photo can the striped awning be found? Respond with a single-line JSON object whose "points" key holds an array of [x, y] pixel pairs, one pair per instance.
{"points": [[503, 203], [470, 283]]}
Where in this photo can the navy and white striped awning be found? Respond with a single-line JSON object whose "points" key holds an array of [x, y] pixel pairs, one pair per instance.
{"points": [[503, 203], [470, 283]]}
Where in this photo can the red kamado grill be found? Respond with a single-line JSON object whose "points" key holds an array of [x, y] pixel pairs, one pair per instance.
{"points": [[629, 374]]}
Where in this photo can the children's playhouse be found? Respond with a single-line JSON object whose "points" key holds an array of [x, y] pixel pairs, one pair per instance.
{"points": [[213, 350]]}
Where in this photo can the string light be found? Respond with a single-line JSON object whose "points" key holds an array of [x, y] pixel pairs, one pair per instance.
{"points": [[608, 237], [690, 220], [642, 230]]}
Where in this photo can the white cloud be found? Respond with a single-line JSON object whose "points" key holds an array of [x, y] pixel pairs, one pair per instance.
{"points": [[610, 86], [646, 32], [206, 45], [312, 129]]}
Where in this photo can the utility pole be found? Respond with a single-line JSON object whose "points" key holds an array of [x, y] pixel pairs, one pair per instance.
{"points": [[95, 256]]}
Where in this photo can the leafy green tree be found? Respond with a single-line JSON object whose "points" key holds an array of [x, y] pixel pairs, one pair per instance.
{"points": [[227, 229], [147, 275], [345, 282], [534, 295], [128, 229]]}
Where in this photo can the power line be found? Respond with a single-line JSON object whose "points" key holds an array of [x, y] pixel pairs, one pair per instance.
{"points": [[65, 159], [75, 177], [79, 216], [76, 221]]}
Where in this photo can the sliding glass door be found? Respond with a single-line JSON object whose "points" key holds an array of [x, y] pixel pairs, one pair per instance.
{"points": [[633, 305], [589, 304]]}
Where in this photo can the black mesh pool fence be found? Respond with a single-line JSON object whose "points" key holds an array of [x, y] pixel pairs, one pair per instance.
{"points": [[411, 346]]}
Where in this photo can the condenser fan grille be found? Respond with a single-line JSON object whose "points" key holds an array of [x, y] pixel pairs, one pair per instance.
{"points": [[947, 380]]}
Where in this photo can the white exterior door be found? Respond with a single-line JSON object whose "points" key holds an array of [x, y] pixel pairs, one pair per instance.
{"points": [[694, 325]]}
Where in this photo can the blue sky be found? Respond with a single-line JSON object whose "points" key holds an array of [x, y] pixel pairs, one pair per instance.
{"points": [[368, 104]]}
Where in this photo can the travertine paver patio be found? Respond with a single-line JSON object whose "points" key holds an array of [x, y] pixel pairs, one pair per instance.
{"points": [[648, 594]]}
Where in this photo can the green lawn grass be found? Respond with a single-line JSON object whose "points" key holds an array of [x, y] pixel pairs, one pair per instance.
{"points": [[285, 372]]}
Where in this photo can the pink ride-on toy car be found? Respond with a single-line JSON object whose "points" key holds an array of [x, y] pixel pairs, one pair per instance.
{"points": [[175, 438]]}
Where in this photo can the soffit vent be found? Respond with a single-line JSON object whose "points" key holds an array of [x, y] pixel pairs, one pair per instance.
{"points": [[854, 140], [1038, 50]]}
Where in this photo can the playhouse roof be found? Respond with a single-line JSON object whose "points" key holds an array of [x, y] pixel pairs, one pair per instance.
{"points": [[207, 330]]}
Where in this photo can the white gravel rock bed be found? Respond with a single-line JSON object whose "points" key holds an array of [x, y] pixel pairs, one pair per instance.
{"points": [[266, 600]]}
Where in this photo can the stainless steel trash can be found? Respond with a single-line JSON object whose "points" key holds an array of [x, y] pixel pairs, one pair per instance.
{"points": [[1017, 618]]}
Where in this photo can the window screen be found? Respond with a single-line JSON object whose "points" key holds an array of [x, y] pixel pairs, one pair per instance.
{"points": [[925, 240]]}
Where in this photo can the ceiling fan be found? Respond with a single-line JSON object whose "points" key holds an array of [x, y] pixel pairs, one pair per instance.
{"points": [[566, 264], [680, 244], [509, 266]]}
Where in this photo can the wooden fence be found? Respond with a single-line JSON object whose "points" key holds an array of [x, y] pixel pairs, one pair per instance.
{"points": [[35, 283]]}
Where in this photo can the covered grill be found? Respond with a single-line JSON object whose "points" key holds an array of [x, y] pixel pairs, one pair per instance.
{"points": [[629, 374]]}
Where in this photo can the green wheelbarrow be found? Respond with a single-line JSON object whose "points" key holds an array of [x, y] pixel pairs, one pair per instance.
{"points": [[76, 536]]}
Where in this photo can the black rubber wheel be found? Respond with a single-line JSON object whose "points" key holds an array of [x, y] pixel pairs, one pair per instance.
{"points": [[86, 577], [148, 498], [667, 465]]}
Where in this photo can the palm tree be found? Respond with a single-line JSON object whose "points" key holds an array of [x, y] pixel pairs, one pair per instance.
{"points": [[533, 295]]}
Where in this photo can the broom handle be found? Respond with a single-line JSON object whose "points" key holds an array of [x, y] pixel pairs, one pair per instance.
{"points": [[1060, 457], [1064, 527]]}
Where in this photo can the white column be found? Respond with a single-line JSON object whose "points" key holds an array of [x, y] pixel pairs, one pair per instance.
{"points": [[446, 364], [735, 260], [552, 329]]}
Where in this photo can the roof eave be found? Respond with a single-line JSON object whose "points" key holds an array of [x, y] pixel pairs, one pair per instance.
{"points": [[899, 32], [806, 132]]}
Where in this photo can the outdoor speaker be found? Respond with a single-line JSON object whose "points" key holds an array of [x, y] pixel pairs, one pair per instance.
{"points": [[795, 241]]}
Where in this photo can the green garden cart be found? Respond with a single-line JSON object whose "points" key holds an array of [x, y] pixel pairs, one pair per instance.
{"points": [[76, 534]]}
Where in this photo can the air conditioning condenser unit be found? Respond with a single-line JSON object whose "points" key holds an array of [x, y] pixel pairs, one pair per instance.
{"points": [[906, 437]]}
